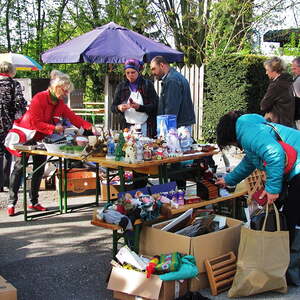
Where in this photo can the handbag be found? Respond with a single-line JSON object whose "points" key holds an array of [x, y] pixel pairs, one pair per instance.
{"points": [[290, 151], [258, 219], [263, 258]]}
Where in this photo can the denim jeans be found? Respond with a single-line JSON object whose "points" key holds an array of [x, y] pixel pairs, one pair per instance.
{"points": [[16, 179]]}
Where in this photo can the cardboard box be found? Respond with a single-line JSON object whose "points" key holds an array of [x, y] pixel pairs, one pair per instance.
{"points": [[153, 241], [114, 191], [80, 182], [132, 285], [7, 290]]}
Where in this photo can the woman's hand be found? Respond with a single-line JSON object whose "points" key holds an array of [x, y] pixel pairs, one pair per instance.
{"points": [[59, 129], [220, 182], [271, 197], [134, 105], [123, 107]]}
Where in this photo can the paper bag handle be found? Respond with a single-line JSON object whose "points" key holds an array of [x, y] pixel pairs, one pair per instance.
{"points": [[276, 214]]}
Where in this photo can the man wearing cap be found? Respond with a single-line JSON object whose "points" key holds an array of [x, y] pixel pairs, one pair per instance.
{"points": [[136, 100]]}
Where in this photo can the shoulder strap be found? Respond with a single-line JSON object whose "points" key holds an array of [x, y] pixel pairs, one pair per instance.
{"points": [[276, 131]]}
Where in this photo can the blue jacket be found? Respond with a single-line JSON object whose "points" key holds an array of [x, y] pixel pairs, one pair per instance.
{"points": [[260, 144], [175, 99]]}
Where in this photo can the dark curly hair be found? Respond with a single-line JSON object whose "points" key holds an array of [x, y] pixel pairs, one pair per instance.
{"points": [[226, 134]]}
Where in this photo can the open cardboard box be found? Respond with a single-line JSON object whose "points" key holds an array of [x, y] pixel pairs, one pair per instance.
{"points": [[132, 285], [155, 241], [7, 290]]}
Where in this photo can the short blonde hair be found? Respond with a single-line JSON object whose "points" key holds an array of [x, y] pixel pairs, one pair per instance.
{"points": [[62, 81], [56, 73], [7, 68], [275, 64]]}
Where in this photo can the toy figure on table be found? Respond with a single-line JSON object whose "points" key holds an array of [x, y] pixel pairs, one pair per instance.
{"points": [[119, 153]]}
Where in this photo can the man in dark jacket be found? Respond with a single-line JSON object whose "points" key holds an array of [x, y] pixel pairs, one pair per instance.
{"points": [[175, 97], [278, 104]]}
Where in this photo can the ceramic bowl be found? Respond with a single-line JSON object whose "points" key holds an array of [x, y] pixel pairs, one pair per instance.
{"points": [[82, 141]]}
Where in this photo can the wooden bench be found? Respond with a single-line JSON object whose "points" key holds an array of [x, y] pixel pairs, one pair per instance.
{"points": [[118, 231]]}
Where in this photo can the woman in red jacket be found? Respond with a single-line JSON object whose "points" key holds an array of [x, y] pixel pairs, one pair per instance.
{"points": [[42, 118]]}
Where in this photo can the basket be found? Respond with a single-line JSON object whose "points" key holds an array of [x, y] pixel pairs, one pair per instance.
{"points": [[255, 181]]}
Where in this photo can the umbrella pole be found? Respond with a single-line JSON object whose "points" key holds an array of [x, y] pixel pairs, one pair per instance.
{"points": [[107, 102]]}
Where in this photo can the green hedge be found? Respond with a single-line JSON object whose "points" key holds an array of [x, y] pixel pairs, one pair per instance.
{"points": [[232, 83]]}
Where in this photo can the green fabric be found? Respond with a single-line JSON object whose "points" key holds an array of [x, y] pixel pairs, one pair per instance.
{"points": [[188, 269]]}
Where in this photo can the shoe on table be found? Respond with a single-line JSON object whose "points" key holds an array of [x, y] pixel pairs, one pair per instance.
{"points": [[11, 211], [37, 207]]}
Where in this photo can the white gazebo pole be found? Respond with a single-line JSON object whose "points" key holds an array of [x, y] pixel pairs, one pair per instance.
{"points": [[107, 102]]}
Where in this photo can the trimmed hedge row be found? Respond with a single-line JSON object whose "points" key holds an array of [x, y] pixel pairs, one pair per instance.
{"points": [[232, 83]]}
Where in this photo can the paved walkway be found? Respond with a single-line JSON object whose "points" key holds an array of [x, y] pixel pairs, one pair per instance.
{"points": [[64, 257]]}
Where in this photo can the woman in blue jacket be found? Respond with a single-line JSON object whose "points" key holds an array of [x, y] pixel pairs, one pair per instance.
{"points": [[251, 133]]}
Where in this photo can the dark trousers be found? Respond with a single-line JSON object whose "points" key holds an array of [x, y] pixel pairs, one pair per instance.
{"points": [[16, 178], [292, 206], [5, 164]]}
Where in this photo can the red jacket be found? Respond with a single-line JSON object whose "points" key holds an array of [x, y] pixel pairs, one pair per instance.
{"points": [[42, 113]]}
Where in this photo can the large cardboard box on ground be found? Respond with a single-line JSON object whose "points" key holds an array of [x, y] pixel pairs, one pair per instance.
{"points": [[132, 285], [7, 290], [155, 241]]}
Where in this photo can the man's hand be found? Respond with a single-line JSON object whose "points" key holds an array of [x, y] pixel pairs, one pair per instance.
{"points": [[271, 197], [59, 129], [123, 107], [134, 105]]}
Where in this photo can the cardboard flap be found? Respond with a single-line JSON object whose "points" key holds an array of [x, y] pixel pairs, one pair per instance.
{"points": [[216, 243], [155, 242], [134, 283]]}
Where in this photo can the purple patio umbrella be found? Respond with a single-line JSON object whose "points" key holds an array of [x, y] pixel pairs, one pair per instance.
{"points": [[110, 43]]}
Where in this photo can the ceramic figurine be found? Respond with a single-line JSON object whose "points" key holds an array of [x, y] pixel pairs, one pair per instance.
{"points": [[147, 153], [139, 151], [110, 148], [159, 153], [130, 152], [119, 153], [173, 142]]}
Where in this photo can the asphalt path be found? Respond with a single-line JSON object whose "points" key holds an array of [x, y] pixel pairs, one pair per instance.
{"points": [[64, 257]]}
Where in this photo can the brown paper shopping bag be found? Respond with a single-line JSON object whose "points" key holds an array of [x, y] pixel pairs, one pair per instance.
{"points": [[263, 259]]}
